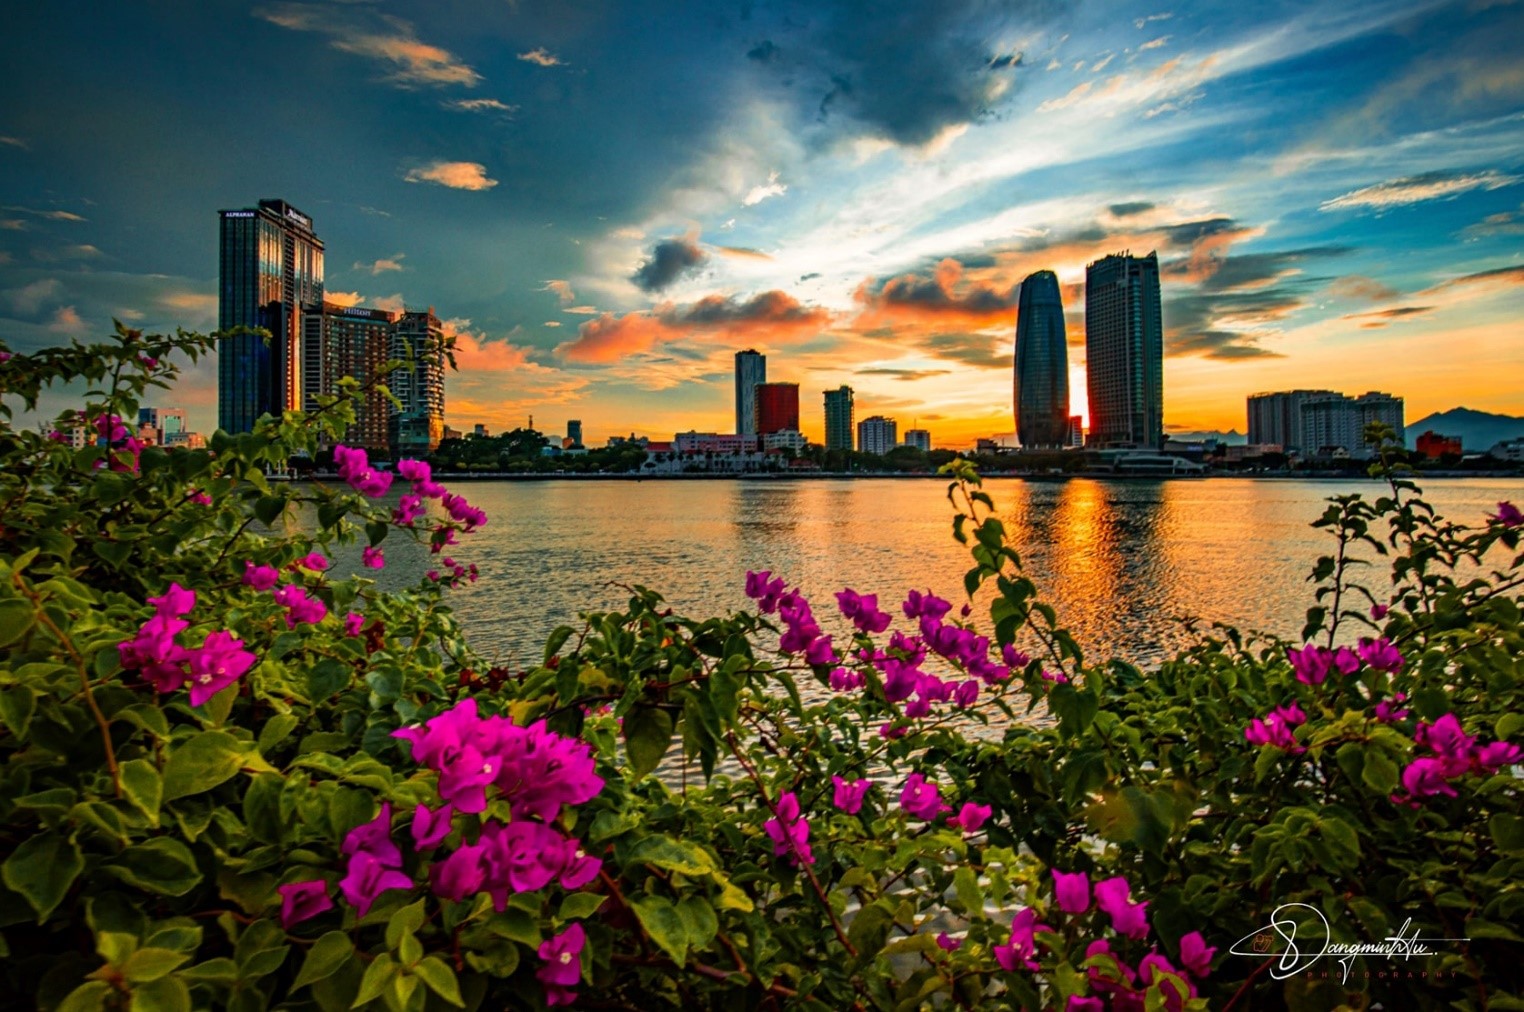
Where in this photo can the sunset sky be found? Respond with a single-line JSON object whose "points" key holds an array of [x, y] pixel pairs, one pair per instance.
{"points": [[607, 200]]}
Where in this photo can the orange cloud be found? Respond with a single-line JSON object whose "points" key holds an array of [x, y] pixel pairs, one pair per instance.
{"points": [[455, 175], [770, 317]]}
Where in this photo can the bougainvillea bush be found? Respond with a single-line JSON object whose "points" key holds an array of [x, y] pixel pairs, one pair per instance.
{"points": [[232, 777]]}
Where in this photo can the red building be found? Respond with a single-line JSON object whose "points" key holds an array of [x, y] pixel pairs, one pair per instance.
{"points": [[1432, 445], [777, 407]]}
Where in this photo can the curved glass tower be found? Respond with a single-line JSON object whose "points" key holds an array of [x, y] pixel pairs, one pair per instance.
{"points": [[1042, 364]]}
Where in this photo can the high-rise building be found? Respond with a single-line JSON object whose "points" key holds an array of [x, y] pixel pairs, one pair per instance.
{"points": [[340, 341], [1320, 421], [918, 438], [777, 408], [574, 433], [1276, 418], [838, 419], [751, 371], [1124, 351], [1076, 430], [270, 268], [1042, 364], [418, 425], [877, 435]]}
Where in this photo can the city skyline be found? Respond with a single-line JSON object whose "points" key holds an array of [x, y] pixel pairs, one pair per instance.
{"points": [[1331, 192]]}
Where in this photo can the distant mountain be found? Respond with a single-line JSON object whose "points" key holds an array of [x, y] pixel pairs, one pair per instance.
{"points": [[1232, 438], [1478, 430]]}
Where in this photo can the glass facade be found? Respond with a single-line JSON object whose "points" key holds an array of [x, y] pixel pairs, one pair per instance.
{"points": [[1124, 351], [270, 266], [340, 341], [777, 407], [418, 425], [1041, 393], [751, 371], [838, 419]]}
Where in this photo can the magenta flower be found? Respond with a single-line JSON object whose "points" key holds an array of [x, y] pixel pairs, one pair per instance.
{"points": [[1311, 663], [367, 878], [1127, 918], [562, 955], [522, 856], [578, 867], [111, 429], [431, 827], [1379, 654], [862, 611], [1508, 515], [260, 577], [849, 794], [922, 799], [790, 832], [820, 652], [1072, 891], [199, 498], [1014, 658], [1196, 955], [1275, 729], [175, 601], [948, 944], [892, 730], [1022, 947], [1291, 714], [459, 875], [1446, 739], [1387, 710], [1491, 758], [1084, 1003], [314, 561], [300, 607], [409, 508], [371, 558], [1378, 612], [1100, 978], [353, 623], [1150, 968], [374, 838], [465, 777], [302, 900], [918, 605], [843, 680], [414, 470], [220, 661], [970, 817], [966, 693]]}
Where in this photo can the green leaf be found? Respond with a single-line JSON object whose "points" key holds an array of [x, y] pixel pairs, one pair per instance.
{"points": [[579, 905], [275, 730], [556, 641], [1478, 928], [1507, 832], [378, 977], [151, 964], [440, 979], [17, 703], [1380, 773], [404, 922], [671, 855], [88, 997], [324, 958], [1508, 725], [141, 786], [700, 922], [647, 734], [42, 869], [201, 763], [162, 865], [966, 886], [15, 619], [664, 924], [167, 994]]}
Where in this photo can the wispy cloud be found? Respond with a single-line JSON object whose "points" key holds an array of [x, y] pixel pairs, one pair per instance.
{"points": [[541, 57], [389, 40], [48, 215], [1141, 23], [15, 142], [1414, 189], [772, 188], [562, 289], [482, 105], [1158, 43], [455, 175]]}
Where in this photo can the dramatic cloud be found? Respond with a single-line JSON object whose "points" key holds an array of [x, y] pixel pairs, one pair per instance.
{"points": [[668, 261], [381, 266], [456, 175], [906, 73], [943, 294], [389, 40], [772, 316], [541, 58], [1497, 278], [1413, 189]]}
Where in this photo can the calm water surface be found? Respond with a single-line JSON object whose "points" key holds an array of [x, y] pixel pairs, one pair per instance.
{"points": [[1124, 562]]}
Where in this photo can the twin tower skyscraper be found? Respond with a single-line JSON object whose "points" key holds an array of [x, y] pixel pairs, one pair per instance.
{"points": [[1124, 354]]}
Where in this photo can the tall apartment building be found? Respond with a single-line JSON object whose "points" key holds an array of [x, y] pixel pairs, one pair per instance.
{"points": [[339, 341], [1124, 351], [574, 433], [777, 408], [1041, 391], [169, 424], [418, 425], [919, 438], [1320, 421], [1276, 418], [877, 435], [751, 372], [270, 266], [838, 419]]}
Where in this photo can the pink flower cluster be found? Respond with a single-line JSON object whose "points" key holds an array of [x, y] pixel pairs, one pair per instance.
{"points": [[1275, 728], [562, 956], [1455, 754], [354, 467], [124, 450], [1313, 664], [1508, 515], [790, 831], [166, 665], [849, 794], [301, 606]]}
